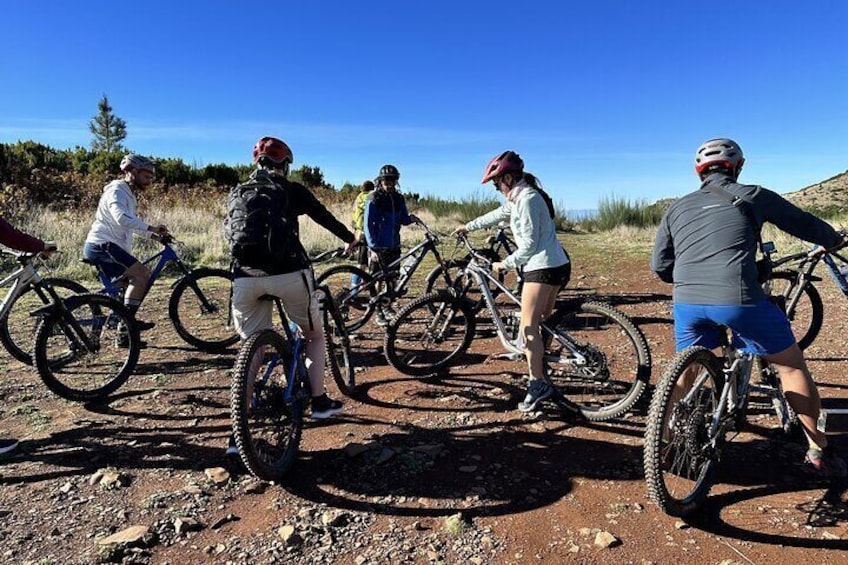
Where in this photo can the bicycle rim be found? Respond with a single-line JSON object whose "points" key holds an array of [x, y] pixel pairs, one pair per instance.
{"points": [[266, 425], [71, 369], [352, 300], [429, 334], [617, 362], [200, 309], [680, 459]]}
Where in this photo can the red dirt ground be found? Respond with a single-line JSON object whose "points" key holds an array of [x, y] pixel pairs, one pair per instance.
{"points": [[529, 490]]}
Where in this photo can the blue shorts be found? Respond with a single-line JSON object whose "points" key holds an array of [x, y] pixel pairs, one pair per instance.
{"points": [[111, 258], [761, 329]]}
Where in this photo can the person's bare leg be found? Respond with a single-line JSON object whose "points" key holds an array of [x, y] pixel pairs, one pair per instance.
{"points": [[800, 391], [535, 299]]}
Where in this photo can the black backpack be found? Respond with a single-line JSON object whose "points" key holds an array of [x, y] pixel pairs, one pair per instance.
{"points": [[256, 226]]}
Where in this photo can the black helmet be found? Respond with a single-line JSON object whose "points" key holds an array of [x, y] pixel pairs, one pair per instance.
{"points": [[388, 172]]}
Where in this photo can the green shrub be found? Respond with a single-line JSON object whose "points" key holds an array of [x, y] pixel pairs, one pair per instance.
{"points": [[616, 211]]}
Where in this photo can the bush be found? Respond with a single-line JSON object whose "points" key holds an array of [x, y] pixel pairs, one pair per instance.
{"points": [[615, 211]]}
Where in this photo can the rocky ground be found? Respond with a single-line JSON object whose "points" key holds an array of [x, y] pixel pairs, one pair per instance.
{"points": [[412, 471]]}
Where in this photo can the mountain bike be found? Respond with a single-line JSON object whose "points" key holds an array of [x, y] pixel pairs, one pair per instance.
{"points": [[794, 287], [498, 247], [17, 327], [270, 389], [700, 399], [596, 358], [358, 302], [199, 305], [85, 346]]}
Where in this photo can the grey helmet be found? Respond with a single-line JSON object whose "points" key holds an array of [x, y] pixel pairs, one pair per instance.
{"points": [[719, 151], [132, 161]]}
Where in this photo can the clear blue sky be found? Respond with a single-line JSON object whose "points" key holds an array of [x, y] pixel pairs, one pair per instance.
{"points": [[600, 98]]}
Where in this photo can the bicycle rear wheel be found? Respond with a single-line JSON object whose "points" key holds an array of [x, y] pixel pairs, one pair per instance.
{"points": [[430, 334], [353, 301], [680, 458], [83, 372], [18, 327], [617, 359], [807, 314], [267, 423], [200, 309], [339, 357]]}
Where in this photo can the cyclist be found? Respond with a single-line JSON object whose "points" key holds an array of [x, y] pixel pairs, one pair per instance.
{"points": [[706, 245], [546, 265], [109, 241], [385, 212], [358, 221], [16, 239], [289, 278]]}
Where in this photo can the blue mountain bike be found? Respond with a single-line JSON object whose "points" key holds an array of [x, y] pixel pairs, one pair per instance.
{"points": [[199, 305], [270, 389]]}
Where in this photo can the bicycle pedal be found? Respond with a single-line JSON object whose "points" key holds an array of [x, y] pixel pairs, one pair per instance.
{"points": [[833, 421], [508, 356]]}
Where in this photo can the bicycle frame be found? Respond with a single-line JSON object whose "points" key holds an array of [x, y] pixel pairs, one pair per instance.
{"points": [[809, 260], [18, 280], [296, 368], [482, 277], [167, 255]]}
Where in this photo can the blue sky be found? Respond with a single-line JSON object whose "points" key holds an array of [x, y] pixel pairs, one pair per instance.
{"points": [[600, 98]]}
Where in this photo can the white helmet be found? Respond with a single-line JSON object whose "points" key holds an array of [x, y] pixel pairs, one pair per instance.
{"points": [[719, 151], [132, 161]]}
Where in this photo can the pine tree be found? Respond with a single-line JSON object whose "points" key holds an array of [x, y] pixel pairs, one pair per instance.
{"points": [[108, 129]]}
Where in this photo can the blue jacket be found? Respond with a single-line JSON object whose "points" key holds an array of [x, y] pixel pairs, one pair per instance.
{"points": [[385, 212]]}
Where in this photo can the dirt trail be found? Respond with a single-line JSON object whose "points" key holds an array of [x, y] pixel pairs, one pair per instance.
{"points": [[380, 483]]}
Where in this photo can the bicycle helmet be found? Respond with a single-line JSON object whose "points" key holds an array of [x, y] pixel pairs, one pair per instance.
{"points": [[388, 172], [133, 162], [273, 150], [720, 151], [506, 162]]}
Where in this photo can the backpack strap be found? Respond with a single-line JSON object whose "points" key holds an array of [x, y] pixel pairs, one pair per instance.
{"points": [[740, 204]]}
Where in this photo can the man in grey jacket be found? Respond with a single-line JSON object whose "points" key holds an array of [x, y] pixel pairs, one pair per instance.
{"points": [[706, 246]]}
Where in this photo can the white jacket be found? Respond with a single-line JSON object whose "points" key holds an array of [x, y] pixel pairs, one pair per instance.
{"points": [[534, 231], [115, 219]]}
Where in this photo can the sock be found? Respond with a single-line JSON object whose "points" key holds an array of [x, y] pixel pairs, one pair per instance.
{"points": [[132, 305]]}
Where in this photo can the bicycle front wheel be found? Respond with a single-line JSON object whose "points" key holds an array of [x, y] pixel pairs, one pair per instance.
{"points": [[616, 364], [430, 334], [807, 314], [353, 291], [18, 327], [680, 457], [86, 348], [200, 309], [267, 410], [339, 357]]}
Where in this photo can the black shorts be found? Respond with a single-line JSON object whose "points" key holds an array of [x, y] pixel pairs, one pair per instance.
{"points": [[554, 276]]}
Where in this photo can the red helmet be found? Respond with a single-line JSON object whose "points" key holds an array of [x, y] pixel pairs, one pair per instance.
{"points": [[506, 162], [273, 149]]}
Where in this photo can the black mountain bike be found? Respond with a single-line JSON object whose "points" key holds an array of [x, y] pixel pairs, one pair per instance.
{"points": [[358, 302], [795, 290]]}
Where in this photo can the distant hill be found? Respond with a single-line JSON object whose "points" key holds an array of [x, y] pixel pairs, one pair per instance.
{"points": [[828, 196]]}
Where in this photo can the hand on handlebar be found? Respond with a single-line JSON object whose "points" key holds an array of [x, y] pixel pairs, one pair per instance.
{"points": [[498, 267], [351, 247], [461, 230]]}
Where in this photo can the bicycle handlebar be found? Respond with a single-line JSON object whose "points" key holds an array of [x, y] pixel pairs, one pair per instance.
{"points": [[327, 255], [463, 238]]}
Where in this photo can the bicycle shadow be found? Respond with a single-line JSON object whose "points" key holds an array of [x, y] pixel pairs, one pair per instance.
{"points": [[489, 469], [84, 449]]}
